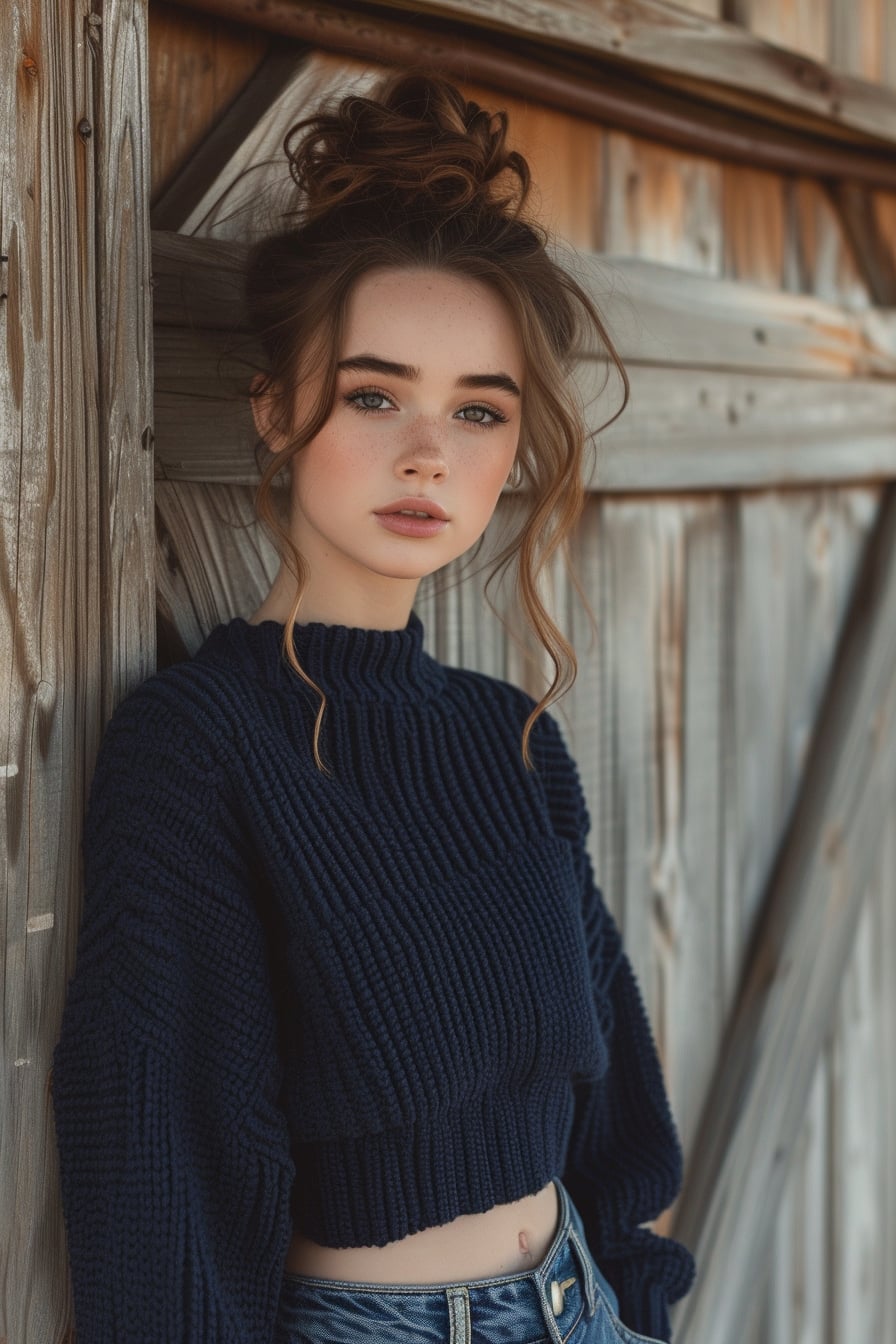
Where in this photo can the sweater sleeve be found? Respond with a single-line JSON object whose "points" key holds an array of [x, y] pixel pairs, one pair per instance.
{"points": [[624, 1162], [175, 1166]]}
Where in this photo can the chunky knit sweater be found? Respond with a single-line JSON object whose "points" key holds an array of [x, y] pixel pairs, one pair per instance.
{"points": [[358, 1004]]}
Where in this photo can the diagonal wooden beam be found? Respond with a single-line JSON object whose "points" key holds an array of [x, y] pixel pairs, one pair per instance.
{"points": [[794, 970], [208, 161], [874, 254]]}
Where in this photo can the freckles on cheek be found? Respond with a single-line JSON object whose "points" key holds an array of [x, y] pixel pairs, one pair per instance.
{"points": [[349, 457]]}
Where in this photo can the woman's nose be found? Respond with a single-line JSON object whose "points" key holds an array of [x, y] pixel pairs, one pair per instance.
{"points": [[425, 458]]}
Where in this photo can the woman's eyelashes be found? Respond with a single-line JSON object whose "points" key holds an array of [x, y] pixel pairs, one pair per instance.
{"points": [[365, 398]]}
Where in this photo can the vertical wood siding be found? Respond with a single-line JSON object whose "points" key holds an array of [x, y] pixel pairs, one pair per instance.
{"points": [[76, 620], [196, 66]]}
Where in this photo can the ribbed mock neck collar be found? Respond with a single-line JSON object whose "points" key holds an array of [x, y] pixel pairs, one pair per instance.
{"points": [[389, 666]]}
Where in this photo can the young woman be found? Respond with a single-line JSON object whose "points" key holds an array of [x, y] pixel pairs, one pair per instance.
{"points": [[352, 1050]]}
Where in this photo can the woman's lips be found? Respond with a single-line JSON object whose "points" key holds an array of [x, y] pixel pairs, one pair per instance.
{"points": [[407, 526]]}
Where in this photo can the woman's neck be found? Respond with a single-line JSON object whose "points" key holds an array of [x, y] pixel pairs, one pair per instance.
{"points": [[364, 609]]}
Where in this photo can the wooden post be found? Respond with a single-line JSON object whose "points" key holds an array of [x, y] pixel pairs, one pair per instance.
{"points": [[77, 620]]}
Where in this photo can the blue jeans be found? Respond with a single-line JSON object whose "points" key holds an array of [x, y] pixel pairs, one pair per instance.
{"points": [[564, 1300]]}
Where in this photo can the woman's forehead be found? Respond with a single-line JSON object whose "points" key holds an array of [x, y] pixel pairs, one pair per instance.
{"points": [[430, 319]]}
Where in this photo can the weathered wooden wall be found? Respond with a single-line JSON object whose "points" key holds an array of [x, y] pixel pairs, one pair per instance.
{"points": [[77, 610], [719, 598]]}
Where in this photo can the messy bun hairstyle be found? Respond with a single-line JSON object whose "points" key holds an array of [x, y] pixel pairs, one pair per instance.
{"points": [[416, 175]]}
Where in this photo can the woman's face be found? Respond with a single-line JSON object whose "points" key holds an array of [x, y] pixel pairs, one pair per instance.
{"points": [[427, 410]]}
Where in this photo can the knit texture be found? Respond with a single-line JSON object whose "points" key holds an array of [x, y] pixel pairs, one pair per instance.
{"points": [[359, 1005]]}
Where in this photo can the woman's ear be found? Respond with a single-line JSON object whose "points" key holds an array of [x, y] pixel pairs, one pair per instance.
{"points": [[261, 398]]}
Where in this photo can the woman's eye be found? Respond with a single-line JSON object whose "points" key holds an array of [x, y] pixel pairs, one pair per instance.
{"points": [[482, 415], [368, 400]]}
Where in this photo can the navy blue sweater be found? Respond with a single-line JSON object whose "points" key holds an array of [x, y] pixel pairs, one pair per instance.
{"points": [[359, 1005]]}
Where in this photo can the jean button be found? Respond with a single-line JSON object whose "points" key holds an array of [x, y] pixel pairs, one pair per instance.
{"points": [[557, 1293]]}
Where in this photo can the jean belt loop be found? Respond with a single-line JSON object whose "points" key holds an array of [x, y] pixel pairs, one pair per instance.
{"points": [[584, 1260]]}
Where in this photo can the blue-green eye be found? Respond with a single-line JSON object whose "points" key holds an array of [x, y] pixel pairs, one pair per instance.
{"points": [[479, 414], [365, 399]]}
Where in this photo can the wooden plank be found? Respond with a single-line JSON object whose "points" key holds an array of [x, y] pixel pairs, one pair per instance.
{"points": [[705, 429], [77, 625], [857, 39], [663, 37], [800, 25], [754, 225], [671, 42], [196, 66], [802, 945], [884, 205], [683, 430], [885, 1015], [711, 8], [656, 313], [565, 154], [672, 108], [856, 1281], [662, 205], [667, 315]]}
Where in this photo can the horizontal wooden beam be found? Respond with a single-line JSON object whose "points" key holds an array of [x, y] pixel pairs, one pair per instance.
{"points": [[733, 386], [756, 1103], [700, 429], [655, 313], [694, 428], [666, 315], [729, 95], [719, 60]]}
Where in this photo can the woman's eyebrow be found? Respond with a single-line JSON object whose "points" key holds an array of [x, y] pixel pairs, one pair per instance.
{"points": [[502, 380], [373, 364]]}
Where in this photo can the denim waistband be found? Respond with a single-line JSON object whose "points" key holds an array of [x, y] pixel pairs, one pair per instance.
{"points": [[548, 1299]]}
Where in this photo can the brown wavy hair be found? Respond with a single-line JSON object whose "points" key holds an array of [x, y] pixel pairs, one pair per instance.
{"points": [[416, 175]]}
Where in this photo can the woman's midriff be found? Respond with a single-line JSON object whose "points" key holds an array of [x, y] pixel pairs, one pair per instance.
{"points": [[506, 1239]]}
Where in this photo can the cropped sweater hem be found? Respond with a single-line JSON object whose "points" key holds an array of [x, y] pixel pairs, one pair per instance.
{"points": [[501, 1147]]}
